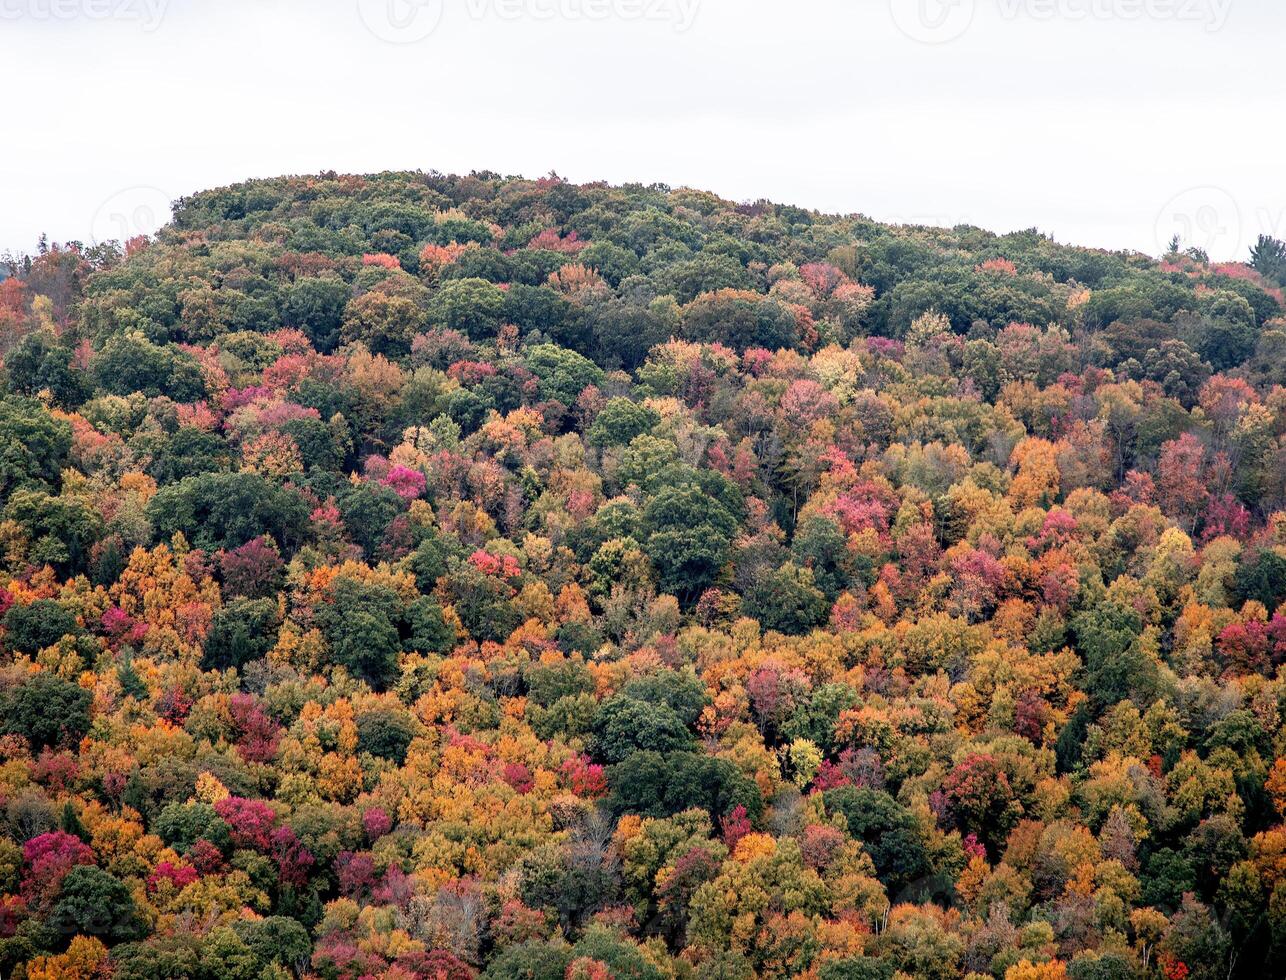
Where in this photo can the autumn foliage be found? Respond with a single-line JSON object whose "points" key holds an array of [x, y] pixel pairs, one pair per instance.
{"points": [[428, 577]]}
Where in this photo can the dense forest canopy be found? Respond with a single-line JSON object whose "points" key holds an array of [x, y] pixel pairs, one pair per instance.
{"points": [[421, 576]]}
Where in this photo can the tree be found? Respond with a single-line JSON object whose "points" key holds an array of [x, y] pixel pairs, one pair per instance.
{"points": [[532, 960], [367, 510], [1181, 477], [1223, 341], [656, 785], [621, 958], [1262, 577], [576, 880], [982, 801], [1199, 942], [688, 539], [1177, 368], [130, 363], [316, 304], [182, 825], [620, 421], [1108, 636], [33, 445], [384, 323], [752, 895], [254, 571], [705, 273], [45, 710], [222, 511], [62, 529], [385, 734], [189, 452], [40, 363], [740, 319], [787, 601], [539, 308], [625, 332], [472, 306], [242, 631], [624, 726], [563, 374], [821, 546], [92, 902], [484, 604], [276, 939], [1268, 256], [424, 627], [85, 959], [30, 628], [856, 968], [888, 832], [359, 624], [681, 691]]}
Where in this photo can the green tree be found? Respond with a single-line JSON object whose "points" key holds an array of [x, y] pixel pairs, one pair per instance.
{"points": [[181, 825], [33, 444], [385, 734], [563, 373], [92, 902], [226, 510], [383, 322], [575, 880], [46, 710], [856, 968], [359, 623], [130, 362], [484, 604], [625, 332], [740, 320], [62, 529], [656, 785], [620, 421], [681, 691], [887, 830], [473, 306], [786, 601], [40, 363], [315, 305], [625, 726], [276, 939], [821, 546], [424, 627], [1262, 577], [689, 536], [704, 273], [242, 631], [533, 960], [29, 629], [1268, 256], [189, 452]]}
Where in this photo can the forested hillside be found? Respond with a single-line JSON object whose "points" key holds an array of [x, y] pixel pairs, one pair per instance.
{"points": [[421, 576]]}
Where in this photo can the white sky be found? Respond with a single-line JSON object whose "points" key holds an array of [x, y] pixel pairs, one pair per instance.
{"points": [[1104, 122]]}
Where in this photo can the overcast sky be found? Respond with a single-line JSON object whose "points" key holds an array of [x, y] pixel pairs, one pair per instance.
{"points": [[1112, 123]]}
